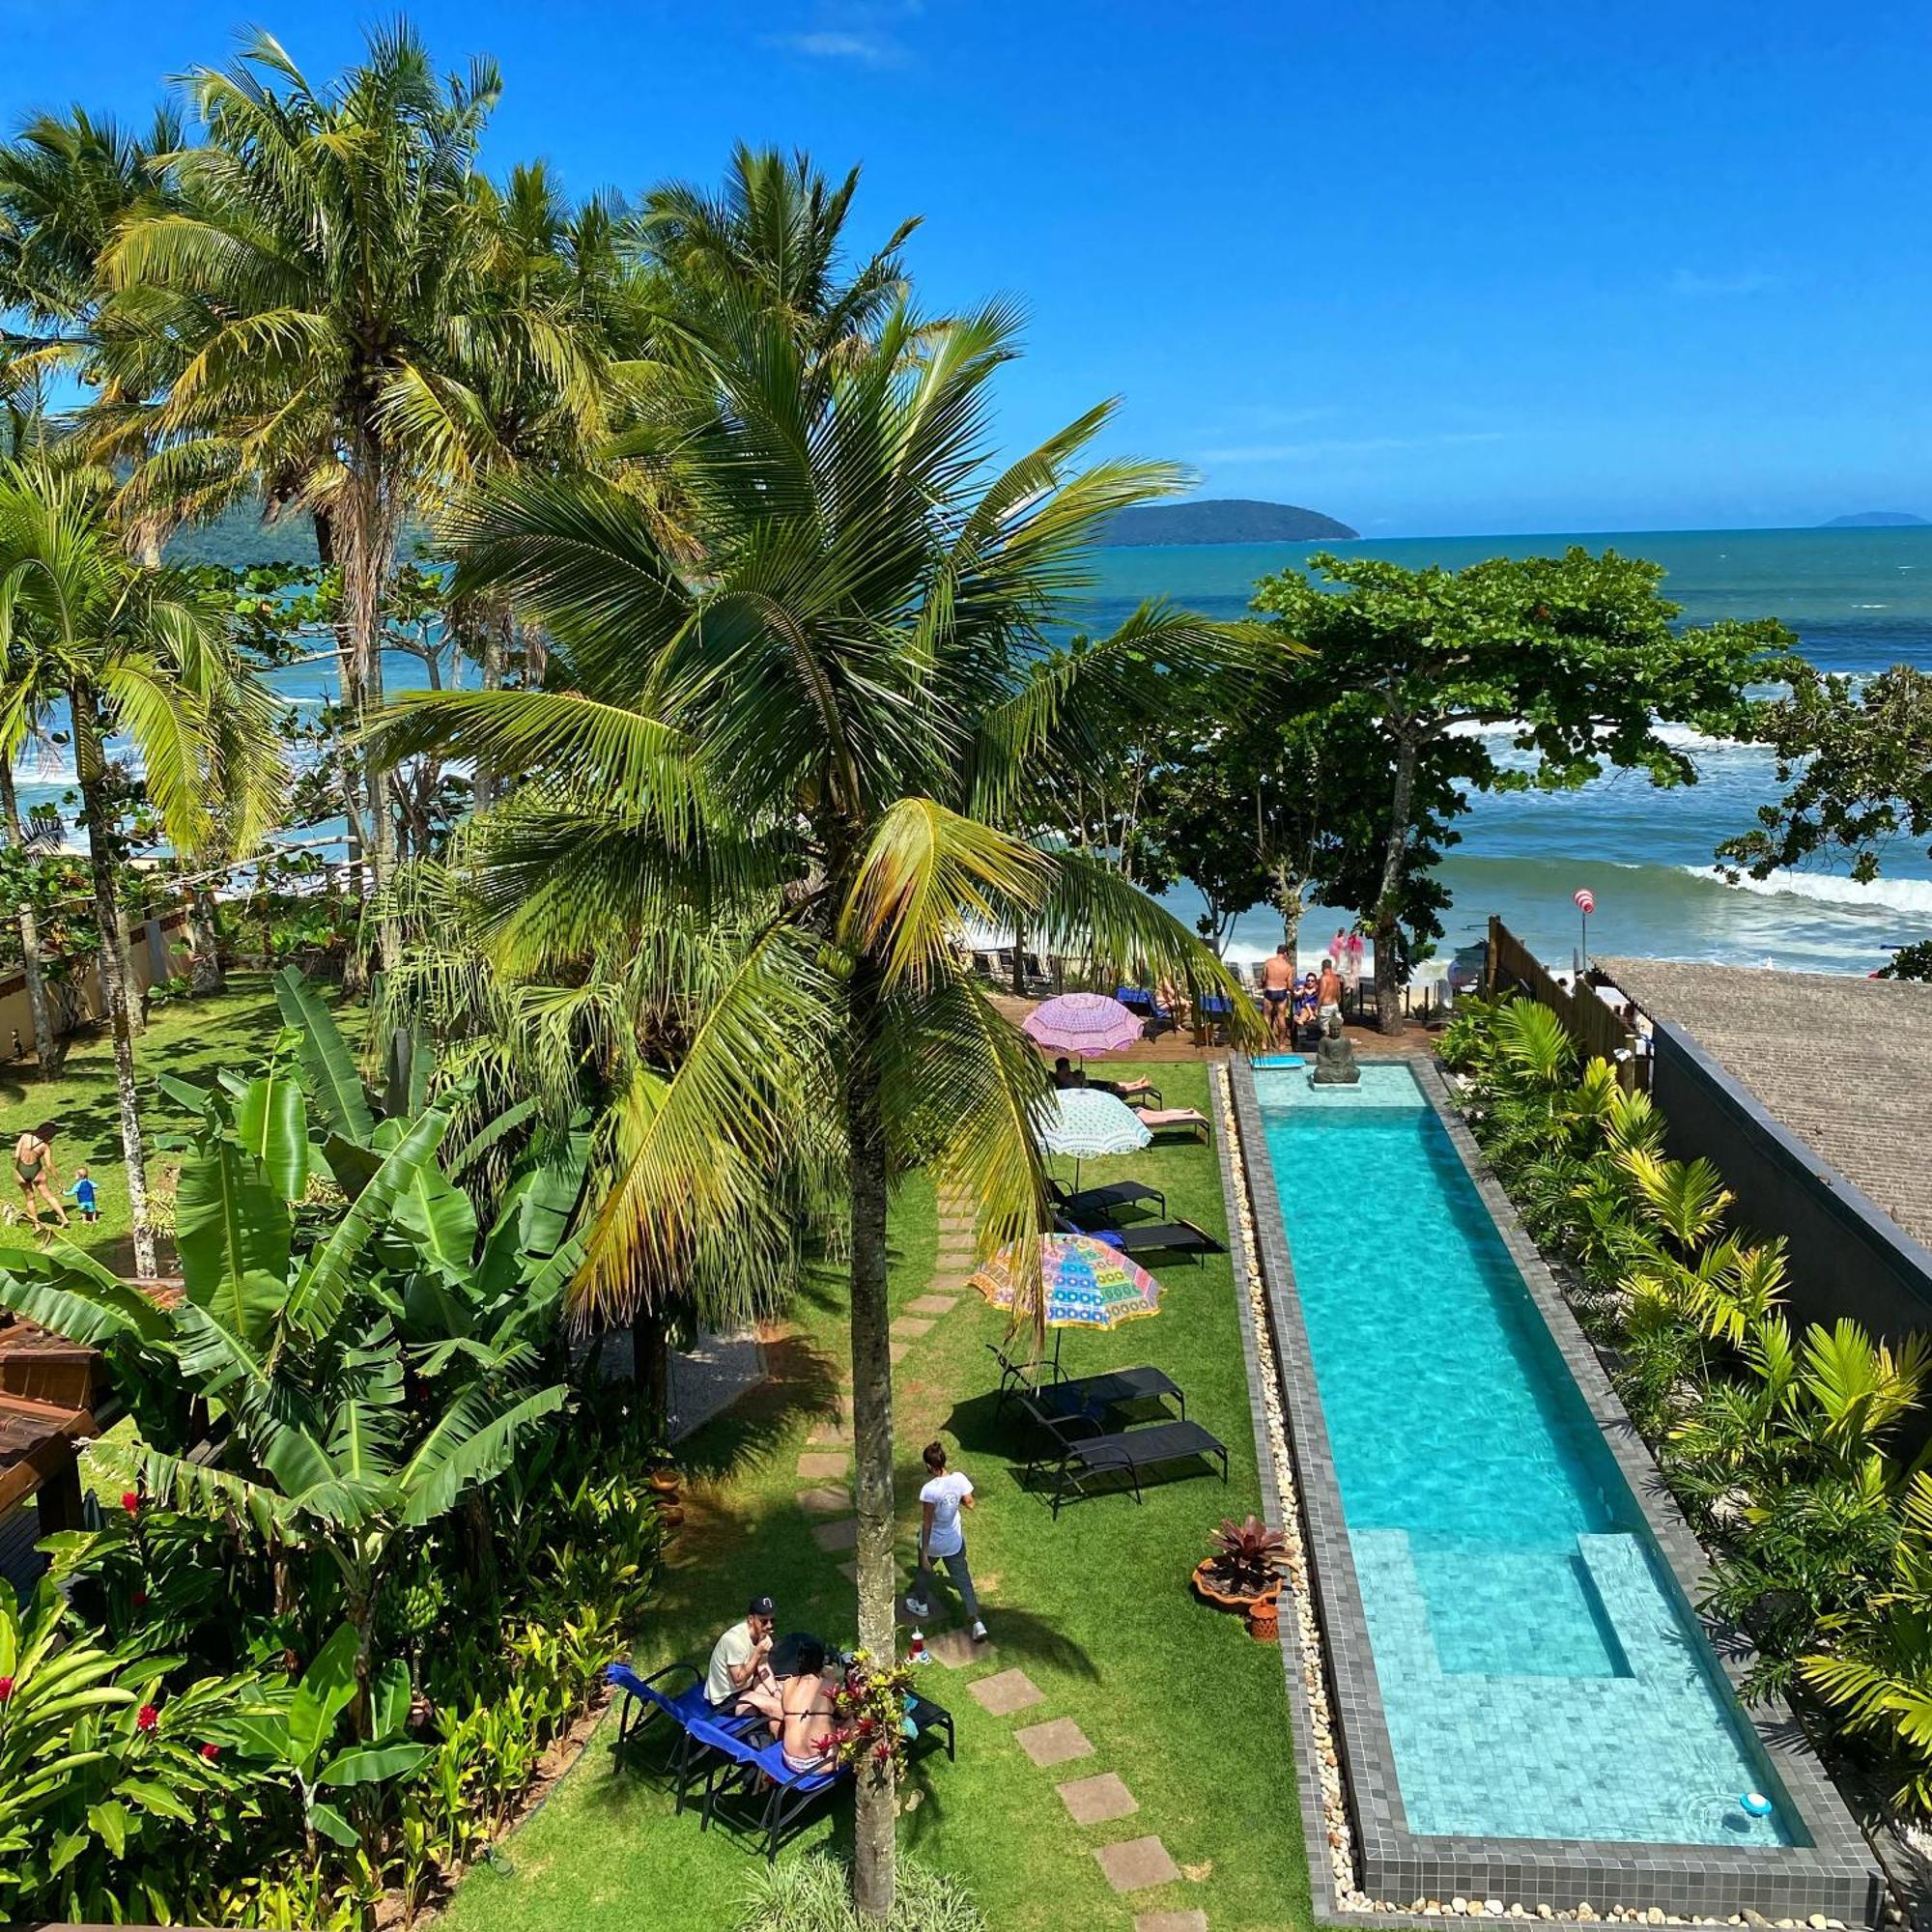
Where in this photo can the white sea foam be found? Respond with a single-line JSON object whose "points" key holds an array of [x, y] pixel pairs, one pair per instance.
{"points": [[1909, 895], [1679, 737]]}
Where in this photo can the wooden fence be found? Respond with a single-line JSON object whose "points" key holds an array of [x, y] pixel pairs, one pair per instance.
{"points": [[1588, 1019]]}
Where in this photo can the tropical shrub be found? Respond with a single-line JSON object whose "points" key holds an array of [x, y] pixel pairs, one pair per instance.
{"points": [[815, 1894]]}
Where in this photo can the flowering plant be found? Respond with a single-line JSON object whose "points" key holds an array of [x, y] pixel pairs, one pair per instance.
{"points": [[869, 1733]]}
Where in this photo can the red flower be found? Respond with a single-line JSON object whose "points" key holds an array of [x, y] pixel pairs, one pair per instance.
{"points": [[881, 1751], [146, 1717], [130, 1502], [140, 1600], [210, 1753], [6, 1688]]}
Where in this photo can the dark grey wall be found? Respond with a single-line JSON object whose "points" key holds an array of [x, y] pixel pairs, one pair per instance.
{"points": [[1847, 1258]]}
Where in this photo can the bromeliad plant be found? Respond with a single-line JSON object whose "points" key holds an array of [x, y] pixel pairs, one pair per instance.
{"points": [[1247, 1560]]}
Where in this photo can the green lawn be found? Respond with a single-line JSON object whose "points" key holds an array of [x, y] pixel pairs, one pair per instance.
{"points": [[1179, 1701], [192, 1040]]}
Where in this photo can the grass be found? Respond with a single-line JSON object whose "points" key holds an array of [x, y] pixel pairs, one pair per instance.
{"points": [[1179, 1701], [192, 1040]]}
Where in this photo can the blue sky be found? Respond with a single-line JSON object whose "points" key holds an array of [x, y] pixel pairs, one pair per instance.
{"points": [[1432, 265]]}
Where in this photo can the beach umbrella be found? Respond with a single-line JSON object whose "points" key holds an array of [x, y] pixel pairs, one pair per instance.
{"points": [[1082, 1023], [1086, 1122], [1083, 1283]]}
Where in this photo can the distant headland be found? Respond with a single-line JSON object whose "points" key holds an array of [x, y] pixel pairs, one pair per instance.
{"points": [[1876, 519], [1229, 520]]}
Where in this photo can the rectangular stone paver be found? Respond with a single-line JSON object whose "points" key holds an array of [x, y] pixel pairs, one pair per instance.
{"points": [[898, 1352], [1097, 1801], [955, 1649], [1138, 1863], [826, 1501], [1058, 1740], [1005, 1692], [822, 1463], [910, 1328], [931, 1305], [1195, 1920], [837, 1535], [849, 1571]]}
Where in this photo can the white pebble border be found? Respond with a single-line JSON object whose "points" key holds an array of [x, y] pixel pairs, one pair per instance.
{"points": [[1349, 1895]]}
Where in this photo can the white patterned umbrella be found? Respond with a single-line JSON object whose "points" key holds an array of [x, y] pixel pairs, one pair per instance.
{"points": [[1084, 1122]]}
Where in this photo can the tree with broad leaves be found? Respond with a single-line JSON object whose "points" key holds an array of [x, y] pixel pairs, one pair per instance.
{"points": [[1857, 768], [1578, 657]]}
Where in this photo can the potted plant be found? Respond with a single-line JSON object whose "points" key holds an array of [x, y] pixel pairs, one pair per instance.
{"points": [[1244, 1572]]}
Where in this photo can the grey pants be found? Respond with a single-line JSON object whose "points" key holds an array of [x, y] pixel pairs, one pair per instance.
{"points": [[962, 1581]]}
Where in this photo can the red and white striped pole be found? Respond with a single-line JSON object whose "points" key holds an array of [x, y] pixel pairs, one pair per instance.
{"points": [[1586, 904]]}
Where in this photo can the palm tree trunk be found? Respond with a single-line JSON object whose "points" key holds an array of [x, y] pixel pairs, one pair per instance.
{"points": [[366, 516], [204, 941], [1388, 900], [350, 671], [1289, 888], [92, 772], [872, 1835], [46, 1060]]}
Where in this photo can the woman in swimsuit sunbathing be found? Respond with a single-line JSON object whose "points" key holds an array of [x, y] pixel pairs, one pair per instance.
{"points": [[807, 1709], [34, 1169]]}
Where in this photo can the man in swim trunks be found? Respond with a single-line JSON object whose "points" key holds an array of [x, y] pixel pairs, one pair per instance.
{"points": [[1277, 985], [1329, 995], [34, 1169]]}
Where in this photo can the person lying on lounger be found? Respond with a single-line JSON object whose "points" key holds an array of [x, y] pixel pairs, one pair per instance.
{"points": [[1156, 1118], [1066, 1077]]}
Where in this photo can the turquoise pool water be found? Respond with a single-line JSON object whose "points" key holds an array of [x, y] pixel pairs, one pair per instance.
{"points": [[1539, 1675]]}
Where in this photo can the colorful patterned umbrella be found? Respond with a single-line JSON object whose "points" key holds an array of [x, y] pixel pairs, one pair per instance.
{"points": [[1086, 1284], [1082, 1023], [1084, 1122]]}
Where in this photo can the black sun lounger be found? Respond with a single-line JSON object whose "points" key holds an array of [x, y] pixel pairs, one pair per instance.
{"points": [[1090, 1399], [1157, 1237], [1103, 1204], [1076, 1459]]}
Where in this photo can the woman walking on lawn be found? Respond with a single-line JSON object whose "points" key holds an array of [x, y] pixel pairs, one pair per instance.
{"points": [[34, 1168], [945, 1494]]}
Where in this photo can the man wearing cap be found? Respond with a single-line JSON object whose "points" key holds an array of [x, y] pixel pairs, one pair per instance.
{"points": [[740, 1677]]}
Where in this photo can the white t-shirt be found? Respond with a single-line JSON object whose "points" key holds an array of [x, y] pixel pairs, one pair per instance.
{"points": [[946, 1494], [732, 1652]]}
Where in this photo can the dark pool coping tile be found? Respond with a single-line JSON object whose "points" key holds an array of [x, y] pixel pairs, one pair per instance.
{"points": [[1836, 1874]]}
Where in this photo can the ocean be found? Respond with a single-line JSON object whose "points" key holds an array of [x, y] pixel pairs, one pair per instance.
{"points": [[1859, 600]]}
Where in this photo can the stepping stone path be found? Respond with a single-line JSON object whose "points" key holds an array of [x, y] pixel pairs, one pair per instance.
{"points": [[1101, 1799], [1137, 1864], [1007, 1691], [1058, 1740], [1098, 1800]]}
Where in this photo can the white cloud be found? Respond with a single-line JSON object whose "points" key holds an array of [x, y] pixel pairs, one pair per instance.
{"points": [[843, 45], [1360, 445], [1702, 287]]}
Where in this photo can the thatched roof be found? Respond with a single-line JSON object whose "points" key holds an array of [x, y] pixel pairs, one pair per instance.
{"points": [[1844, 1064]]}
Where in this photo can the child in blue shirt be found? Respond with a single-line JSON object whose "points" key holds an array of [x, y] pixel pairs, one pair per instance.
{"points": [[82, 1191]]}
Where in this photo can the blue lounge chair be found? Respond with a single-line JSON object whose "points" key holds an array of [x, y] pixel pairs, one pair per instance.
{"points": [[644, 1699], [1138, 1000]]}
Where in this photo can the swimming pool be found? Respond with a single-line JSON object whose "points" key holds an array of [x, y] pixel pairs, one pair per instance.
{"points": [[1539, 1673]]}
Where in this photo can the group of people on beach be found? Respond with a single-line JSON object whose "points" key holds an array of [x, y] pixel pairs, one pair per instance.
{"points": [[1292, 1005]]}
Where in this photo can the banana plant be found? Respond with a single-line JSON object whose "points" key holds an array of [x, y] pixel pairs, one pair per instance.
{"points": [[300, 1739]]}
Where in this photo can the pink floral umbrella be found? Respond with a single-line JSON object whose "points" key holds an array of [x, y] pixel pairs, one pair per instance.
{"points": [[1082, 1023]]}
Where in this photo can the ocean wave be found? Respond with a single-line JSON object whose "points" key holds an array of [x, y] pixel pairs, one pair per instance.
{"points": [[1679, 737], [1913, 895]]}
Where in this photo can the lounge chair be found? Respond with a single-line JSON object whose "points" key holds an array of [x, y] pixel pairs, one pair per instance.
{"points": [[1065, 1397], [1138, 1000], [1158, 1237], [1177, 1120], [1103, 1204], [1076, 1455], [754, 1767], [1139, 1091], [645, 1698]]}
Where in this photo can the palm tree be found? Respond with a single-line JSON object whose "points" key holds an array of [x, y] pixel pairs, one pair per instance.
{"points": [[823, 738], [319, 271], [132, 653]]}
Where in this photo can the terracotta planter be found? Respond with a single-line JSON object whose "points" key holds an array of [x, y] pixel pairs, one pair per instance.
{"points": [[666, 1482], [671, 1515], [1245, 1602], [1264, 1619]]}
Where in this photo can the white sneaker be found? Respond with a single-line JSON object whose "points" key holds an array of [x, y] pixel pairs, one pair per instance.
{"points": [[919, 1609], [978, 1630]]}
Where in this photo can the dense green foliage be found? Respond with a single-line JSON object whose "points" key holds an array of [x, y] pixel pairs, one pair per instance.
{"points": [[351, 1557], [1790, 1452]]}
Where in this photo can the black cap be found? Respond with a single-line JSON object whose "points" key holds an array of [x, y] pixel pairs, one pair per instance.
{"points": [[761, 1607]]}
